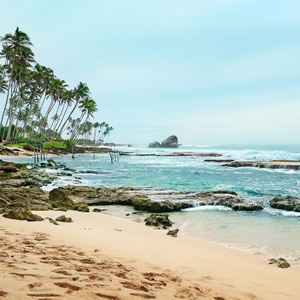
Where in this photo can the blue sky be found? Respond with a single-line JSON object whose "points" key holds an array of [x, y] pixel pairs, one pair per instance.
{"points": [[211, 72]]}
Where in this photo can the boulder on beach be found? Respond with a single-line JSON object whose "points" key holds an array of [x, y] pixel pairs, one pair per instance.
{"points": [[173, 232], [20, 210], [170, 142], [63, 218], [159, 220], [281, 262]]}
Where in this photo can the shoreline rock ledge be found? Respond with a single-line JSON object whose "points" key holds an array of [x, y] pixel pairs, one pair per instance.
{"points": [[170, 142]]}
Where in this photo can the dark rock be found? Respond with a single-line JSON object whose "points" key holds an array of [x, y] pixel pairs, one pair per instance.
{"points": [[288, 203], [88, 172], [6, 151], [158, 220], [24, 193], [83, 207], [63, 218], [40, 205], [34, 217], [28, 147], [9, 170], [52, 163], [99, 210], [219, 160], [144, 203], [247, 206], [72, 195], [52, 221], [154, 145], [4, 200], [20, 210], [225, 198], [192, 154], [274, 164], [272, 261], [59, 198], [281, 262], [40, 177], [61, 209], [173, 232], [170, 142]]}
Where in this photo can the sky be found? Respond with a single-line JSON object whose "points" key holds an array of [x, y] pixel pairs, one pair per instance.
{"points": [[211, 72]]}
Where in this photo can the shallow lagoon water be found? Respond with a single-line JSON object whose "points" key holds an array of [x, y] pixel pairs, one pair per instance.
{"points": [[270, 232]]}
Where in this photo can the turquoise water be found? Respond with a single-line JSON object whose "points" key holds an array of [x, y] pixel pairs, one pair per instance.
{"points": [[270, 232]]}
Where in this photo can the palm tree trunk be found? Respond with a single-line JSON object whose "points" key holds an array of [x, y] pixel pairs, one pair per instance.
{"points": [[61, 130]]}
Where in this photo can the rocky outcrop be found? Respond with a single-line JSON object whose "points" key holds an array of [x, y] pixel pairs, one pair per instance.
{"points": [[226, 198], [20, 210], [72, 195], [12, 174], [288, 203], [8, 152], [158, 220], [28, 147], [170, 142], [273, 164], [154, 145], [219, 160], [190, 154], [60, 199], [82, 206], [158, 206]]}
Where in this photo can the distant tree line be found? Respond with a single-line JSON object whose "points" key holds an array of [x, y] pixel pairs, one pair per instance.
{"points": [[34, 103]]}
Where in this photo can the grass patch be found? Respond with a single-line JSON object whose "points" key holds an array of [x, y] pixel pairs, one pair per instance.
{"points": [[54, 144], [16, 145]]}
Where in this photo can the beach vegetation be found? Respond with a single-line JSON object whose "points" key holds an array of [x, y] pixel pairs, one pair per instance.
{"points": [[54, 144], [37, 105]]}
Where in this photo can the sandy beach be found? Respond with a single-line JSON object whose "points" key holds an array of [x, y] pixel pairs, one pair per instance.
{"points": [[99, 256]]}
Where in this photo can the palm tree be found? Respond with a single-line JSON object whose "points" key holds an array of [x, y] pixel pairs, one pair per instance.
{"points": [[14, 45], [80, 92], [88, 106]]}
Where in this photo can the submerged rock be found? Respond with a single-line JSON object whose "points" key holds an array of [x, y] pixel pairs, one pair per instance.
{"points": [[273, 164], [158, 220], [288, 203]]}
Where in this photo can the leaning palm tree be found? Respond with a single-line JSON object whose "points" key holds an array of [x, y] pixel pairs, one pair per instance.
{"points": [[80, 92], [89, 107]]}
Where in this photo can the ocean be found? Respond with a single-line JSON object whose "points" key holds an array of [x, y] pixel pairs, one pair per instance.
{"points": [[270, 232]]}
